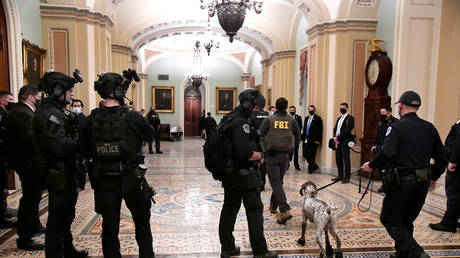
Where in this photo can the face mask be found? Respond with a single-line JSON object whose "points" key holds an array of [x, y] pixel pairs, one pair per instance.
{"points": [[9, 106], [311, 113], [343, 110], [383, 117], [38, 102], [77, 110], [292, 113]]}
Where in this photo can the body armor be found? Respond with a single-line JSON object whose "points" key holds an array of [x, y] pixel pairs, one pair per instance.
{"points": [[280, 137]]}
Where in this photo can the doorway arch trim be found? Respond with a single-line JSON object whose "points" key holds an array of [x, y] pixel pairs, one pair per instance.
{"points": [[181, 100]]}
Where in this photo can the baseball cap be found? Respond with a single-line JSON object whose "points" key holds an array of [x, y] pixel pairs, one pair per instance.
{"points": [[410, 98]]}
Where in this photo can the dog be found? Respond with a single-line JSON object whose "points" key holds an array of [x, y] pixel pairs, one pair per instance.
{"points": [[321, 214]]}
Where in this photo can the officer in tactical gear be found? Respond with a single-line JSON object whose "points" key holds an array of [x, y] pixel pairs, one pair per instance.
{"points": [[56, 131], [241, 179], [449, 222], [154, 120], [112, 139], [279, 134], [255, 121], [410, 144]]}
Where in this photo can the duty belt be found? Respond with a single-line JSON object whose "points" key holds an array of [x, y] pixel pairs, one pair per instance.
{"points": [[408, 177]]}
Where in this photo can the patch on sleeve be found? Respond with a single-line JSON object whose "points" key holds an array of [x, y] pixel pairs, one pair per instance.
{"points": [[246, 128], [54, 120], [388, 131]]}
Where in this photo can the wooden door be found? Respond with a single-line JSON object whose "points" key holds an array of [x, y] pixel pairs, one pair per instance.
{"points": [[4, 68], [192, 115]]}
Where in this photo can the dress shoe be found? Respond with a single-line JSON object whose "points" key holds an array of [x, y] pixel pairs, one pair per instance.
{"points": [[8, 223], [76, 254], [28, 244], [284, 217], [345, 181], [151, 152], [234, 252], [269, 254], [442, 227], [297, 168], [337, 178], [159, 152], [273, 211]]}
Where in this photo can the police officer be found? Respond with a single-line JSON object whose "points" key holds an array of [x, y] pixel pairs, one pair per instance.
{"points": [[279, 134], [410, 144], [154, 120], [297, 118], [56, 131], [6, 100], [112, 139], [255, 121], [241, 180], [452, 214]]}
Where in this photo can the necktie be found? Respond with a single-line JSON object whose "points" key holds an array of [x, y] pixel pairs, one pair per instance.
{"points": [[308, 126]]}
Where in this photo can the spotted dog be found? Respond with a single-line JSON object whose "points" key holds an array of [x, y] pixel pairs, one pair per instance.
{"points": [[322, 215]]}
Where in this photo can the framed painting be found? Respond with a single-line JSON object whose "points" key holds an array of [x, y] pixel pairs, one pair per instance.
{"points": [[225, 100], [33, 63], [163, 99]]}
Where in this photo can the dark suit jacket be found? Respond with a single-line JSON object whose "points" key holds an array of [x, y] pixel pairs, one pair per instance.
{"points": [[316, 129], [21, 140], [346, 129], [299, 120]]}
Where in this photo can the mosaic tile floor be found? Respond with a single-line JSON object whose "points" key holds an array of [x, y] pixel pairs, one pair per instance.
{"points": [[185, 219]]}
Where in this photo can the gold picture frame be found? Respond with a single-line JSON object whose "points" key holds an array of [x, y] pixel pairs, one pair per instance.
{"points": [[33, 63], [225, 99], [163, 99]]}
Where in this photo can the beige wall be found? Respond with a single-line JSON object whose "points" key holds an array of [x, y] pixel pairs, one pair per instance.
{"points": [[448, 83], [87, 48]]}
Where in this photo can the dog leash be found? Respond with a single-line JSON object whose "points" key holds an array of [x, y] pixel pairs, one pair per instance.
{"points": [[337, 180]]}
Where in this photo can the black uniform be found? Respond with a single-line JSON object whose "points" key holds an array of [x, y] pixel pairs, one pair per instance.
{"points": [[239, 145], [381, 131], [112, 139], [296, 145], [4, 220], [56, 132], [255, 121], [452, 215], [409, 146], [154, 121], [209, 123]]}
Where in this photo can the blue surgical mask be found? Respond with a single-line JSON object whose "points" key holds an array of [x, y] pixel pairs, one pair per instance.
{"points": [[77, 110]]}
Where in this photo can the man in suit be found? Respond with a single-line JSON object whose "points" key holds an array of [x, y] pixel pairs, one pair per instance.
{"points": [[154, 120], [297, 118], [209, 123], [312, 136], [342, 134], [24, 159]]}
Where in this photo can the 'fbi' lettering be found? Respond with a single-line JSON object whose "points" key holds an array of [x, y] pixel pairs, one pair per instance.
{"points": [[108, 149], [281, 125]]}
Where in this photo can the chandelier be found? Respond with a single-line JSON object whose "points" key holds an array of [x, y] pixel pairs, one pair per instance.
{"points": [[197, 75], [210, 43], [231, 13]]}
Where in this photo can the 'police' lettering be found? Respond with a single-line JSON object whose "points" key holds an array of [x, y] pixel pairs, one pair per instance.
{"points": [[108, 149], [281, 125]]}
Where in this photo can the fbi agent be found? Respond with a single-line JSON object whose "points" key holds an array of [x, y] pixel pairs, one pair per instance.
{"points": [[409, 144], [112, 139], [279, 134], [56, 131]]}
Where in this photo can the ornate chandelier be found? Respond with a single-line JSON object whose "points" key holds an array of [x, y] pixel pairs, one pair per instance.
{"points": [[197, 75], [231, 13], [210, 43]]}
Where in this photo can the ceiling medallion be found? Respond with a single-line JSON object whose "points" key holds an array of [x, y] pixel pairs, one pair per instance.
{"points": [[231, 13], [197, 76]]}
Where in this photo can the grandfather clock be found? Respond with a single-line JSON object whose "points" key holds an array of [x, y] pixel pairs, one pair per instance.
{"points": [[378, 75]]}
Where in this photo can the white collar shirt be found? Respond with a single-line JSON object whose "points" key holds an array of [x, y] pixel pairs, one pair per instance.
{"points": [[339, 125]]}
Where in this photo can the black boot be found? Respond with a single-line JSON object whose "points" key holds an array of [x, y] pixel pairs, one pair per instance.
{"points": [[234, 252], [28, 244]]}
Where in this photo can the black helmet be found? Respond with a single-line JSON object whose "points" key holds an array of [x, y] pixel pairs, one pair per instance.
{"points": [[113, 85], [55, 84], [250, 98]]}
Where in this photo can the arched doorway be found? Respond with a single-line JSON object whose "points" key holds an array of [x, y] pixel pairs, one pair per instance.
{"points": [[4, 64], [192, 111]]}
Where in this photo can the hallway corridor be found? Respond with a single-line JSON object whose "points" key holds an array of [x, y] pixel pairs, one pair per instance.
{"points": [[185, 219]]}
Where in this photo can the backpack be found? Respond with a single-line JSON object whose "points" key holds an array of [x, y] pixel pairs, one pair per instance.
{"points": [[214, 160]]}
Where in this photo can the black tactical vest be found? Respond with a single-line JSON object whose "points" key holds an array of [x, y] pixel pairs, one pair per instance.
{"points": [[111, 143], [280, 137]]}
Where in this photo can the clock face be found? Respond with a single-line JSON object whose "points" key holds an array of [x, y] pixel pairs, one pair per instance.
{"points": [[373, 72]]}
